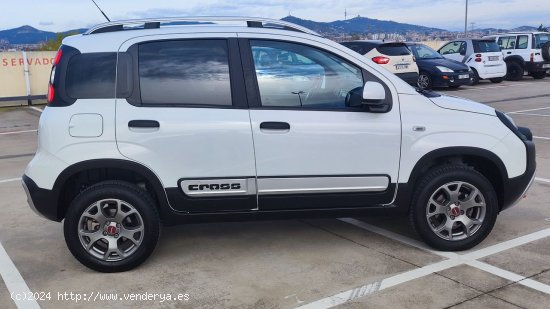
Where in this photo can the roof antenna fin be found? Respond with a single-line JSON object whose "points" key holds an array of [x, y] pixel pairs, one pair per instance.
{"points": [[101, 11]]}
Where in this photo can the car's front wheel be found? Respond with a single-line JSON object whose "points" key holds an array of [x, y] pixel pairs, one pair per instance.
{"points": [[112, 226], [454, 208], [424, 81]]}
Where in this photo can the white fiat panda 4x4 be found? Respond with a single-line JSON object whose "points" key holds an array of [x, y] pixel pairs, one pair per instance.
{"points": [[171, 121]]}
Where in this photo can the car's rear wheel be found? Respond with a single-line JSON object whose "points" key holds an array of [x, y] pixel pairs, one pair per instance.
{"points": [[112, 226], [475, 78], [496, 80], [514, 71], [424, 81], [454, 208], [538, 75]]}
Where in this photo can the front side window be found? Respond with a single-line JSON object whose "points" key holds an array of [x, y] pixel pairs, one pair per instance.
{"points": [[451, 48], [295, 75], [193, 72], [523, 41], [507, 42]]}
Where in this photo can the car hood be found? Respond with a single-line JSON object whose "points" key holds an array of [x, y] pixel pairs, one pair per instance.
{"points": [[461, 104], [451, 64]]}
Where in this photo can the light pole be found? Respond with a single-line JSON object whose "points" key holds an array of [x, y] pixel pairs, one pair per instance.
{"points": [[466, 21]]}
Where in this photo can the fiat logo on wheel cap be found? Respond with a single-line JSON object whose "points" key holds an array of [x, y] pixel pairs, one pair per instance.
{"points": [[455, 211], [111, 230]]}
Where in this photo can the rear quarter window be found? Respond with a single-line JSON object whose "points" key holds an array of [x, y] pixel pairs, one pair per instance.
{"points": [[91, 76]]}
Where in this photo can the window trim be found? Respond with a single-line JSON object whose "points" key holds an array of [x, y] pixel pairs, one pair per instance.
{"points": [[253, 90], [236, 79]]}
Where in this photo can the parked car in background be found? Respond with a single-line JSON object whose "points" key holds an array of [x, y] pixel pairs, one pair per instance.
{"points": [[483, 56], [524, 52], [437, 71], [395, 57]]}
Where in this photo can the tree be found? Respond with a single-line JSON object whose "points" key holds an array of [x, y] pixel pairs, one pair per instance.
{"points": [[53, 44], [542, 28]]}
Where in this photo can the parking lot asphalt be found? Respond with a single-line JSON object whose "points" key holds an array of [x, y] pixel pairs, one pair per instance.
{"points": [[375, 262]]}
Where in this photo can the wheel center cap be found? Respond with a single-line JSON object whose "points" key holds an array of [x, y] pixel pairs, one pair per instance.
{"points": [[111, 230], [455, 211]]}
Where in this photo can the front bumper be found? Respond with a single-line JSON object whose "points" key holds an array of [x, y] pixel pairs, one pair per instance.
{"points": [[537, 66], [410, 78], [451, 79], [42, 201], [516, 188]]}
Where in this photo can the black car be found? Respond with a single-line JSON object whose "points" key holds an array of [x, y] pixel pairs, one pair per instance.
{"points": [[437, 71]]}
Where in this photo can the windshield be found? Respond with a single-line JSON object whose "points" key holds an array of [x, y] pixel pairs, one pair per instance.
{"points": [[424, 52], [540, 39], [486, 47]]}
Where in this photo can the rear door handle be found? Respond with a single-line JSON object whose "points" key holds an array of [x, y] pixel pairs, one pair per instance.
{"points": [[143, 124], [275, 125], [509, 53]]}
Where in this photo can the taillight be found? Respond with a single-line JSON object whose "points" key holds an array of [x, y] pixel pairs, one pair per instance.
{"points": [[532, 57], [51, 93], [381, 60], [58, 57], [478, 58]]}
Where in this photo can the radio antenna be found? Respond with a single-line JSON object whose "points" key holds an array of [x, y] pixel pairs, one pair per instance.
{"points": [[101, 11]]}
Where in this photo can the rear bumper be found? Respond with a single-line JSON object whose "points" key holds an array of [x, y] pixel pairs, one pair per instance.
{"points": [[515, 188], [42, 201], [410, 78], [537, 66]]}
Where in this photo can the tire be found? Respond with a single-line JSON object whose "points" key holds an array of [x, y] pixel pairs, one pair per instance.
{"points": [[424, 81], [538, 75], [454, 86], [496, 80], [126, 209], [475, 79], [514, 71], [431, 188], [546, 51]]}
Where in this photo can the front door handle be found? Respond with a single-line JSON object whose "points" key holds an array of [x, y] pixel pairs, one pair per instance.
{"points": [[509, 53], [275, 125], [143, 124]]}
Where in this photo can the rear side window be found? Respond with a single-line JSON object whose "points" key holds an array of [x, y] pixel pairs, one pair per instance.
{"points": [[192, 72], [91, 76], [541, 39], [393, 49], [523, 42], [486, 47]]}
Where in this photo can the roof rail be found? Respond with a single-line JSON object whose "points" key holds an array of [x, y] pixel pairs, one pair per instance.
{"points": [[151, 23]]}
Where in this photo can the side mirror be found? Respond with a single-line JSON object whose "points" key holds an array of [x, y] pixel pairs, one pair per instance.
{"points": [[373, 93], [374, 98]]}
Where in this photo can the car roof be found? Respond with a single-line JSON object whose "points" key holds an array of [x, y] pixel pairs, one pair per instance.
{"points": [[110, 36]]}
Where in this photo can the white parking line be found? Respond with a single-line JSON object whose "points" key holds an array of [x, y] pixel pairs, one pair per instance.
{"points": [[14, 282], [531, 114], [9, 180], [529, 110], [542, 137], [36, 108], [542, 179], [17, 132], [453, 260]]}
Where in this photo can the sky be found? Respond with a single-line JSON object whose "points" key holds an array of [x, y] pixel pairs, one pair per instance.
{"points": [[62, 15]]}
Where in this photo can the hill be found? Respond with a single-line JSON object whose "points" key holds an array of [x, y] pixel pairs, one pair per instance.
{"points": [[359, 25], [29, 35]]}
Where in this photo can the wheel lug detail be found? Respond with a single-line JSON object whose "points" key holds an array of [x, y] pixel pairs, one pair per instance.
{"points": [[452, 217], [462, 212], [116, 235], [104, 233]]}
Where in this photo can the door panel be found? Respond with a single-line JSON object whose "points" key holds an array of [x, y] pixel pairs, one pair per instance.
{"points": [[328, 154], [188, 124]]}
